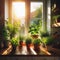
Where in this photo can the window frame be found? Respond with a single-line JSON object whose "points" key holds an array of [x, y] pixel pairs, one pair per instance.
{"points": [[27, 17]]}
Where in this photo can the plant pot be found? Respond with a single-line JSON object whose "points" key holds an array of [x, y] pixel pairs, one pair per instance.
{"points": [[37, 48], [20, 44], [13, 50], [35, 36], [28, 48]]}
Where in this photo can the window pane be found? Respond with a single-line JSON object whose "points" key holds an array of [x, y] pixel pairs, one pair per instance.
{"points": [[19, 11], [36, 12], [36, 9], [18, 14]]}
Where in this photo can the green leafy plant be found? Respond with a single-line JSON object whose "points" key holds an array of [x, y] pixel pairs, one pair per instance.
{"points": [[5, 33], [13, 32], [48, 40], [44, 34], [14, 41], [28, 40], [21, 41], [5, 36], [21, 38], [37, 41], [12, 28], [34, 28]]}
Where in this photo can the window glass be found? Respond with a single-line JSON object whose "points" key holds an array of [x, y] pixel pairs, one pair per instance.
{"points": [[18, 14], [36, 13]]}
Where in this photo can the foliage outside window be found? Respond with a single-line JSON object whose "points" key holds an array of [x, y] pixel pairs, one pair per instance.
{"points": [[36, 18]]}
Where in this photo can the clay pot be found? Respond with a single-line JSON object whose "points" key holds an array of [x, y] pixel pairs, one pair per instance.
{"points": [[37, 48], [35, 36]]}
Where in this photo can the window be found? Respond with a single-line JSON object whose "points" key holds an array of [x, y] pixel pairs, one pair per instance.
{"points": [[31, 11], [36, 9], [49, 17], [18, 11], [18, 14], [36, 12]]}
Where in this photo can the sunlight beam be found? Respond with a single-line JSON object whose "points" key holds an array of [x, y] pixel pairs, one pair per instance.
{"points": [[19, 9]]}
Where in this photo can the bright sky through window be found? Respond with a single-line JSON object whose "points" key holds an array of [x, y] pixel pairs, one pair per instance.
{"points": [[19, 9], [35, 5]]}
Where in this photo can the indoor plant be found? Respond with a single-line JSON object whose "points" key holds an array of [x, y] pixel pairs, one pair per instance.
{"points": [[48, 40], [12, 28], [34, 28], [5, 34], [36, 43], [21, 41], [44, 34], [14, 43], [28, 42]]}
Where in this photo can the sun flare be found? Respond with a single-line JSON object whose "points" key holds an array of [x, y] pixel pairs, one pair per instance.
{"points": [[19, 9]]}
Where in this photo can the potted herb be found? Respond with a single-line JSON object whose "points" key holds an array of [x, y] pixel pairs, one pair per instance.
{"points": [[44, 34], [34, 28], [28, 43], [9, 27], [21, 41], [14, 43], [6, 36], [12, 28], [48, 41], [36, 43]]}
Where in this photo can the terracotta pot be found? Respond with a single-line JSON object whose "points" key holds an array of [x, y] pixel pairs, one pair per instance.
{"points": [[28, 46], [28, 49], [37, 48], [20, 43], [35, 36]]}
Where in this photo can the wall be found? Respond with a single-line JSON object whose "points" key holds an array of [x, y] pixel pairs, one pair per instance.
{"points": [[57, 12], [1, 17], [2, 12]]}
